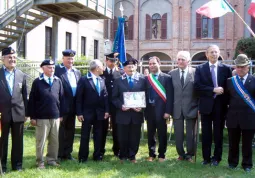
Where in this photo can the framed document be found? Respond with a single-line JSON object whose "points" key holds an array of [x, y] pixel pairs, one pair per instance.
{"points": [[134, 99]]}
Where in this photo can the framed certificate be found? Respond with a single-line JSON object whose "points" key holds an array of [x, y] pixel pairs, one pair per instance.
{"points": [[134, 99]]}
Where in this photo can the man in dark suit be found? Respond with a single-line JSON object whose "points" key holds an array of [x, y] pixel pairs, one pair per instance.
{"points": [[159, 108], [111, 73], [241, 113], [13, 103], [129, 120], [210, 84], [69, 77], [92, 109], [185, 106]]}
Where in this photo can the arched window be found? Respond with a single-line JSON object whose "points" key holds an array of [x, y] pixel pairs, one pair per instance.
{"points": [[156, 26]]}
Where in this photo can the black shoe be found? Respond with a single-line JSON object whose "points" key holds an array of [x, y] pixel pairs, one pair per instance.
{"points": [[215, 163], [82, 161], [231, 167], [71, 158], [205, 162], [247, 169]]}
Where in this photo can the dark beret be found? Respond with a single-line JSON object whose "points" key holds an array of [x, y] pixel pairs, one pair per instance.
{"points": [[130, 61], [68, 53], [47, 62], [8, 50]]}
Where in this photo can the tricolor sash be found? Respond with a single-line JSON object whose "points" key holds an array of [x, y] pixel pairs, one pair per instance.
{"points": [[157, 87], [240, 89]]}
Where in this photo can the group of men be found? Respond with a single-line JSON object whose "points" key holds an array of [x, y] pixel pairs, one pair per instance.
{"points": [[60, 94]]}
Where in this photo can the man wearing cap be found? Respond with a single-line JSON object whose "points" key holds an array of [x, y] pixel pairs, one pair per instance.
{"points": [[111, 73], [45, 108], [129, 120], [241, 113], [13, 103], [92, 109], [69, 76], [159, 108], [210, 84], [185, 106]]}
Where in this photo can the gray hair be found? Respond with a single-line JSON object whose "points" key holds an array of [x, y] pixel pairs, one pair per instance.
{"points": [[94, 64], [184, 54], [212, 46]]}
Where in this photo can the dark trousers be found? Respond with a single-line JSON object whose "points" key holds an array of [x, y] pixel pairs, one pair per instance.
{"points": [[234, 135], [156, 125], [129, 140], [17, 143], [190, 136], [115, 146], [85, 136], [66, 136], [216, 120]]}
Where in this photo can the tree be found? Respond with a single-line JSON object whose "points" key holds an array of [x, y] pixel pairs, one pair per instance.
{"points": [[246, 46]]}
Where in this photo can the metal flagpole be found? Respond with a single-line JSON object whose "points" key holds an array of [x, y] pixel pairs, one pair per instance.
{"points": [[248, 27]]}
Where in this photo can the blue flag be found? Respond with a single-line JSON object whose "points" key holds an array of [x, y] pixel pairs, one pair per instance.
{"points": [[119, 41]]}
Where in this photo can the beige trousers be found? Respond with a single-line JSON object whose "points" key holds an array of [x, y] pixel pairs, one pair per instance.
{"points": [[47, 129]]}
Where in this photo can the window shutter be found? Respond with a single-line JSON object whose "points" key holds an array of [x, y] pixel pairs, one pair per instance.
{"points": [[148, 27], [164, 26], [114, 25], [106, 29], [198, 25], [216, 28], [130, 27]]}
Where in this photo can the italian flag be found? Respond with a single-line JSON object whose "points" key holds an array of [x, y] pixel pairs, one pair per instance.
{"points": [[214, 9], [251, 9]]}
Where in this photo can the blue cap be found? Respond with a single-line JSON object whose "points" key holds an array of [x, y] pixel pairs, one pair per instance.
{"points": [[8, 50], [68, 53], [47, 62]]}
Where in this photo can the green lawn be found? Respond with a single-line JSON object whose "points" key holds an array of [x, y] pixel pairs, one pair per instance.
{"points": [[111, 167]]}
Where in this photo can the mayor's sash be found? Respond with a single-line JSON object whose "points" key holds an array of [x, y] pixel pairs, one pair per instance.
{"points": [[157, 87], [240, 89]]}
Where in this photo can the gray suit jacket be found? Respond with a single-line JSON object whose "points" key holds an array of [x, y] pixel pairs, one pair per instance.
{"points": [[13, 107], [185, 99]]}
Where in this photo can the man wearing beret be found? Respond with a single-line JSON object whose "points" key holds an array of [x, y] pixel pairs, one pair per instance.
{"points": [[13, 102], [241, 113], [69, 76], [111, 73], [129, 120], [45, 108]]}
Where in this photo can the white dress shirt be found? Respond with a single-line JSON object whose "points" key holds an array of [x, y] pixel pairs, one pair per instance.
{"points": [[185, 72], [244, 77], [46, 78], [72, 80]]}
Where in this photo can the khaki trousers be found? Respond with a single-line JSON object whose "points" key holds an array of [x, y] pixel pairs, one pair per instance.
{"points": [[47, 129]]}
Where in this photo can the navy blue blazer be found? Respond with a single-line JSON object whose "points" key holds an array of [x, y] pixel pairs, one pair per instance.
{"points": [[203, 84], [70, 102], [88, 102], [120, 86], [239, 113], [162, 107], [13, 107]]}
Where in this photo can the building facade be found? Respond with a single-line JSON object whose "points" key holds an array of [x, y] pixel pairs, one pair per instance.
{"points": [[85, 37], [164, 27]]}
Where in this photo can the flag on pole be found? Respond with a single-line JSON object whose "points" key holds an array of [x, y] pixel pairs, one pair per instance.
{"points": [[119, 41], [214, 9], [251, 9]]}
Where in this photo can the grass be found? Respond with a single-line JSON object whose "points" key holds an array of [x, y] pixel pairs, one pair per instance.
{"points": [[111, 167]]}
